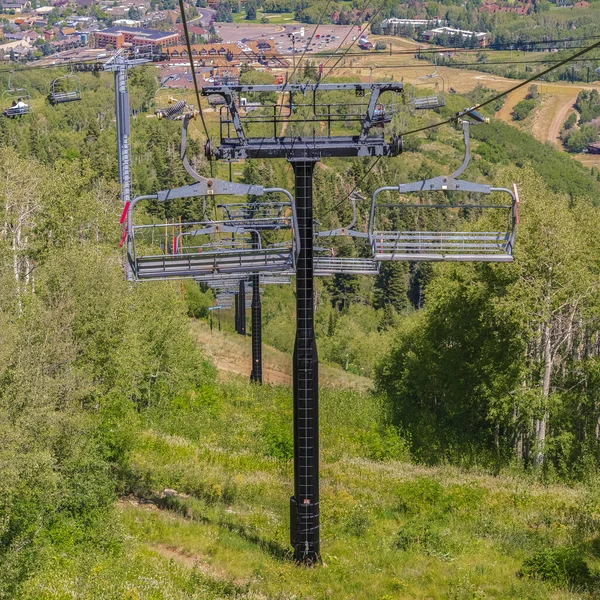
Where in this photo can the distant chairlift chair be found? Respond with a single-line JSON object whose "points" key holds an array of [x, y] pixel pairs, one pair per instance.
{"points": [[15, 102], [479, 246], [65, 89], [166, 106], [421, 97], [327, 264]]}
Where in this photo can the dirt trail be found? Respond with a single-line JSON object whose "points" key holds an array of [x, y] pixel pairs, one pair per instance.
{"points": [[560, 116], [507, 108], [232, 353]]}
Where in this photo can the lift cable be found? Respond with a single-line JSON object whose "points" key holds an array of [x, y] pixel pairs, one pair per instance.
{"points": [[337, 62], [321, 17], [420, 51], [464, 65], [508, 91], [354, 189], [357, 23], [465, 112], [193, 68]]}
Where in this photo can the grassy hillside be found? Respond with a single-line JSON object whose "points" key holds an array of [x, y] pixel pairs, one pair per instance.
{"points": [[129, 470], [207, 514]]}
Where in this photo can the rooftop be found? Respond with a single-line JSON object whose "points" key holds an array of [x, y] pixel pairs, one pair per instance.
{"points": [[150, 34]]}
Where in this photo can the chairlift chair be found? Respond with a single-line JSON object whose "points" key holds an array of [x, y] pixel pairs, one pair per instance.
{"points": [[421, 97], [194, 249], [234, 278], [204, 248], [327, 264], [470, 245], [66, 88], [259, 215], [382, 115], [171, 104], [15, 102]]}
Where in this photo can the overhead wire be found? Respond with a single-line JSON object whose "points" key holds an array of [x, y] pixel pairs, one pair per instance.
{"points": [[186, 34], [451, 65], [356, 23], [321, 17], [508, 91], [354, 41], [516, 46], [357, 185], [465, 112]]}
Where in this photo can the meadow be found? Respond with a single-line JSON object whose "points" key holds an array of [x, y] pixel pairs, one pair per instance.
{"points": [[205, 514]]}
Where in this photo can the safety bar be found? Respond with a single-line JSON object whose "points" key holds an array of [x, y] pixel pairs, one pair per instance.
{"points": [[444, 184]]}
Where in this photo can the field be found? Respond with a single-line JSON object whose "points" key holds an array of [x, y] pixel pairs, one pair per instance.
{"points": [[233, 354], [209, 515], [556, 102], [275, 18]]}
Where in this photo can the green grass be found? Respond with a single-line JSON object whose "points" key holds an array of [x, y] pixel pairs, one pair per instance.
{"points": [[286, 18], [390, 529]]}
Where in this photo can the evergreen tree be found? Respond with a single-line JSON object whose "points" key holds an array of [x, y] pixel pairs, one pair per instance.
{"points": [[390, 286]]}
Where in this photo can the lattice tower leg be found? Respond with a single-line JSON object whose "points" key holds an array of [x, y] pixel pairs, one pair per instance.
{"points": [[256, 374], [123, 132], [242, 308], [304, 505]]}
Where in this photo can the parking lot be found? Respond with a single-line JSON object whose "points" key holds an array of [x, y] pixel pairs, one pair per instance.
{"points": [[327, 37]]}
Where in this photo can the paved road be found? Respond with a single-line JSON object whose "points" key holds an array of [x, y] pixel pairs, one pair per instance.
{"points": [[205, 18]]}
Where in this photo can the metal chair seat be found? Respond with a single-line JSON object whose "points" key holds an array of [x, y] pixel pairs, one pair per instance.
{"points": [[220, 261], [14, 111], [428, 102], [489, 246], [325, 266], [62, 97]]}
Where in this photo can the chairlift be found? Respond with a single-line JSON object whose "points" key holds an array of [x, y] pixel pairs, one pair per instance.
{"points": [[204, 248], [234, 278], [167, 106], [259, 215], [66, 88], [326, 263], [193, 249], [15, 102], [471, 245], [421, 97], [382, 115]]}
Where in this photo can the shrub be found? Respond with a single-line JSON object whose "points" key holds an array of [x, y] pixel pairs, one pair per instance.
{"points": [[559, 566], [523, 109], [578, 139], [417, 535], [279, 441], [570, 122], [385, 444], [197, 301]]}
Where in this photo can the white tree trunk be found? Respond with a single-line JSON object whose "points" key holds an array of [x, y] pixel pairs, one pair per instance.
{"points": [[542, 424]]}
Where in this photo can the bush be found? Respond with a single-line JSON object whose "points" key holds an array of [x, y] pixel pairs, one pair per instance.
{"points": [[385, 444], [570, 122], [578, 139], [279, 441], [197, 301], [559, 566], [417, 535], [523, 109]]}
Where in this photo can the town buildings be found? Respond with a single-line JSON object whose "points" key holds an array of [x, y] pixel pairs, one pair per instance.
{"points": [[123, 36]]}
